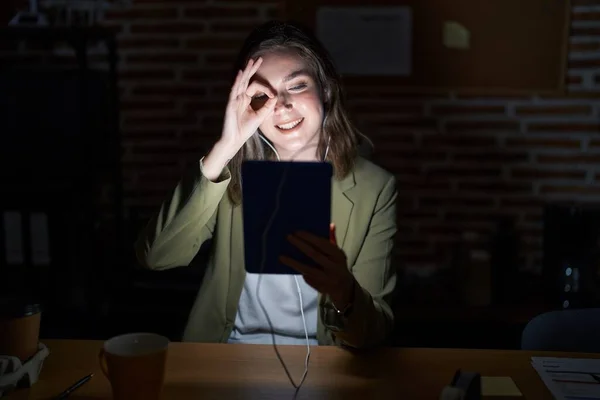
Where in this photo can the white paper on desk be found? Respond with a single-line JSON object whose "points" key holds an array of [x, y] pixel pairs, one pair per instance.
{"points": [[569, 378]]}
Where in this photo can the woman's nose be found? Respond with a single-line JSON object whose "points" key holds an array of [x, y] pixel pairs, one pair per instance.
{"points": [[283, 102]]}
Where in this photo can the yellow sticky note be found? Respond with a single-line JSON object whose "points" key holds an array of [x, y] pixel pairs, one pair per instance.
{"points": [[456, 36], [499, 386]]}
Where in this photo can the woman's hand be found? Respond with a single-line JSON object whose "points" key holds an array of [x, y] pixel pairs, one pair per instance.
{"points": [[333, 279], [242, 118]]}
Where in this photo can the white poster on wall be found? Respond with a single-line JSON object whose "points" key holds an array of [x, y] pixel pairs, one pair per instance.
{"points": [[13, 238], [40, 246], [367, 40]]}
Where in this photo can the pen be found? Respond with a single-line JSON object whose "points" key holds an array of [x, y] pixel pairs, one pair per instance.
{"points": [[74, 387]]}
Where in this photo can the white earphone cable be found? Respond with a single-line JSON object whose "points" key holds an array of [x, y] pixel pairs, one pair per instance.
{"points": [[264, 252]]}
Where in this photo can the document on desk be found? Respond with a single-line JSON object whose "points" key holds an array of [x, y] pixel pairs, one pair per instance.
{"points": [[569, 378]]}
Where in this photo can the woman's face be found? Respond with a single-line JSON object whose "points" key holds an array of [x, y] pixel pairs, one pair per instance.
{"points": [[297, 119]]}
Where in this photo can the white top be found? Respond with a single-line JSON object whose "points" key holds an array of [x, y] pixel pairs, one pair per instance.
{"points": [[278, 296]]}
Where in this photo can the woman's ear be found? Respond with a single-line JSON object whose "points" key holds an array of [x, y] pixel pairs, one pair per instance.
{"points": [[326, 98]]}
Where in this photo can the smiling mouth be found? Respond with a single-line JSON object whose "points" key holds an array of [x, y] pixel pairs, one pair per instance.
{"points": [[290, 125]]}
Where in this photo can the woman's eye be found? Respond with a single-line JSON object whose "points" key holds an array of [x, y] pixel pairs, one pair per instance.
{"points": [[299, 86], [259, 96]]}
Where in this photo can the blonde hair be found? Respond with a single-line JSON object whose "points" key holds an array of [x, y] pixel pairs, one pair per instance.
{"points": [[339, 139]]}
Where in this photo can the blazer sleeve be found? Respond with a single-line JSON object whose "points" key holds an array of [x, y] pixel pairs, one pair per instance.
{"points": [[371, 319], [173, 237]]}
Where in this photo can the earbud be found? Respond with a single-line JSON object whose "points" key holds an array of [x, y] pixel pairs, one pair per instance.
{"points": [[327, 95]]}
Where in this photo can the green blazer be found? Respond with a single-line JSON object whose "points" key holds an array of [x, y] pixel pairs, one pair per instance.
{"points": [[363, 210]]}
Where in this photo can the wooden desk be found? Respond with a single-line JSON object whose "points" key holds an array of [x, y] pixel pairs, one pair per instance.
{"points": [[220, 371]]}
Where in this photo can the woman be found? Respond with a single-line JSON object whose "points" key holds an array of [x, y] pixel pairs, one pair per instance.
{"points": [[285, 103]]}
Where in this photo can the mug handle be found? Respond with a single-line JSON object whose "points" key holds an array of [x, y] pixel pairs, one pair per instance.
{"points": [[102, 362]]}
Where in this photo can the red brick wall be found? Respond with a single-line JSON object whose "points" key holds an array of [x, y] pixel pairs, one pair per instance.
{"points": [[461, 161], [176, 58]]}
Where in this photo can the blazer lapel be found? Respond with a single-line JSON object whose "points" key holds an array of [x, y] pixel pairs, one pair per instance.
{"points": [[342, 206]]}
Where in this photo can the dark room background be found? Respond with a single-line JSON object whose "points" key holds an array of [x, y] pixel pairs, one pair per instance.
{"points": [[469, 168]]}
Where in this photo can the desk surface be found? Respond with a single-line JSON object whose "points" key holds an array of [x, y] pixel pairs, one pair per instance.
{"points": [[221, 371]]}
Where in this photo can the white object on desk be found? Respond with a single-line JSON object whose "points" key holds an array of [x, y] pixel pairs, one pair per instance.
{"points": [[499, 386], [569, 378], [14, 373], [452, 393]]}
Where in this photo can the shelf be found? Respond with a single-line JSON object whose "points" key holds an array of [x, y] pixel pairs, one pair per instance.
{"points": [[57, 33]]}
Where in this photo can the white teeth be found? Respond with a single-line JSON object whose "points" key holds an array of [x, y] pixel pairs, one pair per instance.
{"points": [[290, 125]]}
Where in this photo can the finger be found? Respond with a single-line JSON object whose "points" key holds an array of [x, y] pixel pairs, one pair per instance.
{"points": [[264, 104], [243, 85], [256, 88], [312, 252], [316, 284], [248, 72], [243, 81], [332, 238], [236, 84], [305, 270], [255, 67], [322, 244], [267, 109]]}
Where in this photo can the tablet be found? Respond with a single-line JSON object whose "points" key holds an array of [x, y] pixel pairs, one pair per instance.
{"points": [[281, 198]]}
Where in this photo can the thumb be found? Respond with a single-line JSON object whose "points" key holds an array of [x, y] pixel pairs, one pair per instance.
{"points": [[332, 238], [267, 108]]}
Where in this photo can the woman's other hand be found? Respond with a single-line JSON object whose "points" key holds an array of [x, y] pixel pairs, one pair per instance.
{"points": [[333, 278]]}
